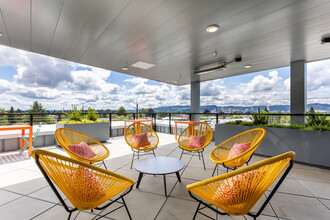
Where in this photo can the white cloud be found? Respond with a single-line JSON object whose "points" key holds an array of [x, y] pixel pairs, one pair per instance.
{"points": [[261, 84], [137, 80], [287, 84]]}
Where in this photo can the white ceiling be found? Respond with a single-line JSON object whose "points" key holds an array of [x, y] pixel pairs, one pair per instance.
{"points": [[170, 34]]}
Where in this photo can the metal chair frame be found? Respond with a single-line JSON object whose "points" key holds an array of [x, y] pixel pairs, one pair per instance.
{"points": [[26, 139], [254, 216], [75, 209]]}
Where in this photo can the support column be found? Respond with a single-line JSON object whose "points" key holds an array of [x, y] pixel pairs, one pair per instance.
{"points": [[298, 91], [195, 100]]}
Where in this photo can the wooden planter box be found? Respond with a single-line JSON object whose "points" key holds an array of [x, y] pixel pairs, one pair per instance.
{"points": [[311, 147], [99, 130]]}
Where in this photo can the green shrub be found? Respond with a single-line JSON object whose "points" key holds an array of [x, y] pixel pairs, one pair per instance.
{"points": [[74, 115], [317, 121], [92, 114], [261, 118]]}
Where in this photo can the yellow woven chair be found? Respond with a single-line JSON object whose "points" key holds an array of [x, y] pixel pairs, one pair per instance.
{"points": [[238, 191], [196, 129], [65, 137], [219, 154], [139, 128], [86, 186]]}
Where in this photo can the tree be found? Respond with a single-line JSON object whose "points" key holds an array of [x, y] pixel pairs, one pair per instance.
{"points": [[3, 118], [11, 118], [36, 107], [121, 110]]}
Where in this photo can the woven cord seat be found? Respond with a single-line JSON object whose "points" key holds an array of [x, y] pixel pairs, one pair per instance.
{"points": [[196, 129], [219, 154], [86, 186], [238, 191], [139, 128], [66, 137]]}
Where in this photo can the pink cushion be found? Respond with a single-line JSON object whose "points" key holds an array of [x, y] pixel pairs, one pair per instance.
{"points": [[197, 141], [141, 140], [82, 149], [86, 185], [231, 190], [237, 149]]}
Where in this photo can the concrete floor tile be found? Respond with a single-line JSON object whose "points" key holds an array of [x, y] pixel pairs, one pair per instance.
{"points": [[312, 175], [291, 186], [180, 190], [46, 194], [155, 184], [326, 202], [6, 197], [27, 186], [197, 173], [58, 212], [318, 189], [299, 207], [23, 208], [176, 209], [142, 206]]}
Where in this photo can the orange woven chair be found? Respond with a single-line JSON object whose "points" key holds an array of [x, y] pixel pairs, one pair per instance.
{"points": [[196, 129], [219, 154], [86, 186], [139, 128], [66, 137], [238, 191]]}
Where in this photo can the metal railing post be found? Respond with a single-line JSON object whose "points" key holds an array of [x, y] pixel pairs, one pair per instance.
{"points": [[154, 124], [31, 119], [169, 123], [189, 116], [110, 125], [134, 116], [217, 118]]}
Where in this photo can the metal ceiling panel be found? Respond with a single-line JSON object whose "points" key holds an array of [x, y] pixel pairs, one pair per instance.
{"points": [[170, 34], [16, 15], [45, 14], [72, 19]]}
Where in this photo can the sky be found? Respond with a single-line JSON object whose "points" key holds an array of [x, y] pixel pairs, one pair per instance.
{"points": [[26, 77]]}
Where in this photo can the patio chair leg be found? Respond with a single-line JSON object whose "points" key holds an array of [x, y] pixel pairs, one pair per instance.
{"points": [[216, 166], [197, 210], [132, 159], [104, 165], [181, 154], [199, 156], [154, 153], [138, 155], [203, 161], [129, 215]]}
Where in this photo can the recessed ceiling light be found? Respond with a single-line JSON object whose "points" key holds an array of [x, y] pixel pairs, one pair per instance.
{"points": [[125, 67], [175, 81], [143, 65], [247, 66], [212, 28], [1, 34]]}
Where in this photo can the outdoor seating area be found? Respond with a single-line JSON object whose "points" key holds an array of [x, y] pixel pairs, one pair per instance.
{"points": [[164, 110], [304, 194]]}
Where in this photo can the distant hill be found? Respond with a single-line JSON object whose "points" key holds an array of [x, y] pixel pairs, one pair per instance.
{"points": [[240, 109]]}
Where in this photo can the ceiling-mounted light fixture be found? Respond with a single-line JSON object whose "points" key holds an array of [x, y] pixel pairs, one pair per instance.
{"points": [[222, 65], [325, 39], [212, 28], [125, 67], [1, 34], [175, 81], [247, 66]]}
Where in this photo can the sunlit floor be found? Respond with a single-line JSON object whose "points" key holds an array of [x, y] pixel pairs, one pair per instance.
{"points": [[24, 193]]}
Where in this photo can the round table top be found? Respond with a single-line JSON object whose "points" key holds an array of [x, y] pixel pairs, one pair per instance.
{"points": [[159, 165]]}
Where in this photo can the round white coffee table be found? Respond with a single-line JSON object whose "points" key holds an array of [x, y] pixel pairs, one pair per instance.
{"points": [[158, 166]]}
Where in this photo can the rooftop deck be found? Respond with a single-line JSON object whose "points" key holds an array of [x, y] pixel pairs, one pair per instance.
{"points": [[25, 194]]}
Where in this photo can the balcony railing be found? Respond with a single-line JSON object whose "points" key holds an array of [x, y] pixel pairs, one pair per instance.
{"points": [[161, 118]]}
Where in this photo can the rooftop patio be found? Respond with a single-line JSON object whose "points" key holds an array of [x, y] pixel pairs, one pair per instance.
{"points": [[25, 194]]}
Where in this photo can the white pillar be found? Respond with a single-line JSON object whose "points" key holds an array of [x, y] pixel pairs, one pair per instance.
{"points": [[195, 100], [298, 91]]}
